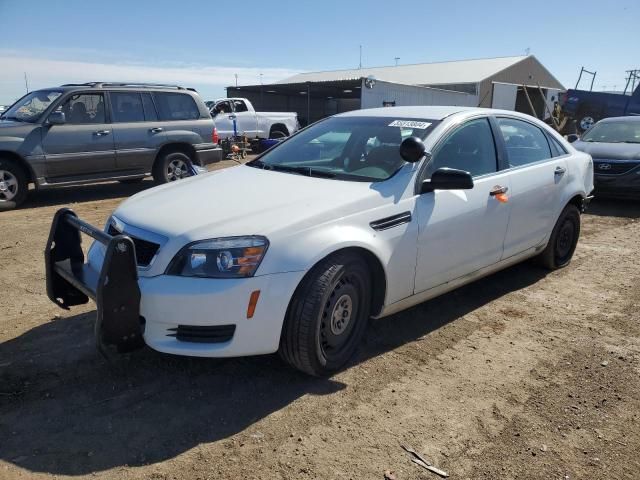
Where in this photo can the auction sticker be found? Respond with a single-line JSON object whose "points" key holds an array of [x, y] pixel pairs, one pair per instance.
{"points": [[409, 124]]}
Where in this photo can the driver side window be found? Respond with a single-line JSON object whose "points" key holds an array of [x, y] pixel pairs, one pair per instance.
{"points": [[470, 148], [84, 108]]}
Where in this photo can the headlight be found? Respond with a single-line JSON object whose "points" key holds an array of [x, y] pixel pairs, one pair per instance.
{"points": [[231, 257]]}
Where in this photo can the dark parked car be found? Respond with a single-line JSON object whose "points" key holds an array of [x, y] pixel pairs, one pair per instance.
{"points": [[614, 145], [86, 133]]}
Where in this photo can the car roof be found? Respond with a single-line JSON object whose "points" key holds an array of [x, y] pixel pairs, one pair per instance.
{"points": [[425, 112], [101, 86]]}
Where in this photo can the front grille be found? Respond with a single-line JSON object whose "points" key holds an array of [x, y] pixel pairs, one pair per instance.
{"points": [[145, 250], [203, 334], [604, 167]]}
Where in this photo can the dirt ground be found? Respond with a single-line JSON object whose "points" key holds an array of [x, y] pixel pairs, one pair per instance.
{"points": [[524, 374]]}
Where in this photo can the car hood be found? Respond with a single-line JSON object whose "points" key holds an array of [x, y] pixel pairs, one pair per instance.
{"points": [[244, 201], [610, 151]]}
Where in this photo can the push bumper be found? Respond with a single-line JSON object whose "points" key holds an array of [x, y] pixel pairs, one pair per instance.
{"points": [[208, 153], [179, 315], [114, 288]]}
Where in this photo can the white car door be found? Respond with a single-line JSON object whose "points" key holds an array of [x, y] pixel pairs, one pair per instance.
{"points": [[461, 231], [223, 117], [537, 180], [246, 120]]}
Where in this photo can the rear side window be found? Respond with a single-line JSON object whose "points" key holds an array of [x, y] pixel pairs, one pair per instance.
{"points": [[176, 106], [556, 149], [126, 107], [149, 109], [240, 106], [470, 148], [525, 142]]}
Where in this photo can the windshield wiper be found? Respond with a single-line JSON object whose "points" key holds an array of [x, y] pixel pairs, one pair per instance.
{"points": [[308, 171]]}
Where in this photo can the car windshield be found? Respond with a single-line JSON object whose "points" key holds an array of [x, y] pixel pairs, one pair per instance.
{"points": [[30, 107], [614, 132], [363, 149]]}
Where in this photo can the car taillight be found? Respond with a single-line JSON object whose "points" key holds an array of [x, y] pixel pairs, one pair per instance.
{"points": [[214, 136]]}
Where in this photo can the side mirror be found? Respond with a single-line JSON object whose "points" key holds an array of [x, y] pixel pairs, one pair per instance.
{"points": [[448, 179], [57, 118], [412, 149], [572, 137]]}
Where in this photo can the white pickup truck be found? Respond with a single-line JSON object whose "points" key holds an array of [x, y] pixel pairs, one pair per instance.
{"points": [[249, 122]]}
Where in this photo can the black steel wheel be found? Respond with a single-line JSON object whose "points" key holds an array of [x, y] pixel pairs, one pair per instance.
{"points": [[563, 240], [328, 315]]}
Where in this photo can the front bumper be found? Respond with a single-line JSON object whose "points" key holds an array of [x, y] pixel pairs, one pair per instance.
{"points": [[172, 304], [180, 315], [625, 185], [208, 153]]}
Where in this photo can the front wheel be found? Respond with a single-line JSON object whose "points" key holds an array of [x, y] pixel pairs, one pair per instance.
{"points": [[563, 240], [13, 185], [328, 315], [171, 167]]}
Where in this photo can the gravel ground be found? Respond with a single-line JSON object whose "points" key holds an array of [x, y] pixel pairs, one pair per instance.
{"points": [[524, 374]]}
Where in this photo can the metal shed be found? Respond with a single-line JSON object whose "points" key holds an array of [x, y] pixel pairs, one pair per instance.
{"points": [[503, 82]]}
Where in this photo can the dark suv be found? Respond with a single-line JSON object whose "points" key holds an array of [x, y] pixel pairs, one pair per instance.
{"points": [[86, 133]]}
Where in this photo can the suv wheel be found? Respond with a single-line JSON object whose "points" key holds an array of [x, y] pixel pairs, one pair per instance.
{"points": [[13, 185], [171, 167], [563, 240], [327, 316]]}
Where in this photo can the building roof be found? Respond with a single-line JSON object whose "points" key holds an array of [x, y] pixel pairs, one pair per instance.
{"points": [[462, 71]]}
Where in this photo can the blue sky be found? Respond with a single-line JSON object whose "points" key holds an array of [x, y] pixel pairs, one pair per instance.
{"points": [[204, 43]]}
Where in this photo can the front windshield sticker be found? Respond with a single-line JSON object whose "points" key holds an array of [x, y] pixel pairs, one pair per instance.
{"points": [[409, 124]]}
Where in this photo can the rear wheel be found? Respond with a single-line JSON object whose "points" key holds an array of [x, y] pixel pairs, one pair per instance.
{"points": [[13, 185], [172, 166], [563, 240], [277, 134], [327, 316]]}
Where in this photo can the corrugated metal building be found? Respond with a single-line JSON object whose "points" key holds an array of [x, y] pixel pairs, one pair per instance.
{"points": [[513, 83]]}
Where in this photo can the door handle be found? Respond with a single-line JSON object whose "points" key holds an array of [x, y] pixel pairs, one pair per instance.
{"points": [[232, 117], [156, 130], [498, 190], [101, 133], [559, 171]]}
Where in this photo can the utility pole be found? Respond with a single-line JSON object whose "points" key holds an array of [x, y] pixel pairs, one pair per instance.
{"points": [[396, 59], [360, 64], [261, 94], [527, 51], [26, 82], [236, 75]]}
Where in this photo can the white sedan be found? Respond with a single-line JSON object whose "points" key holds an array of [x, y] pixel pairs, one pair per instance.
{"points": [[360, 215]]}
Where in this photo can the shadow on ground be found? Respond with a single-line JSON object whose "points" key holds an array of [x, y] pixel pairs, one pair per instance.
{"points": [[84, 193], [64, 410]]}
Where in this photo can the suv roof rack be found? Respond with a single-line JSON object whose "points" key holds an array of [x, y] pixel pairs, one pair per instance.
{"points": [[125, 84]]}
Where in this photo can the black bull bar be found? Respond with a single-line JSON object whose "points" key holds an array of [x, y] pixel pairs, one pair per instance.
{"points": [[71, 281]]}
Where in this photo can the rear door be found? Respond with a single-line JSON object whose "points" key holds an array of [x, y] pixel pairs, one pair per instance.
{"points": [[84, 145], [246, 121], [537, 180], [137, 132], [462, 231]]}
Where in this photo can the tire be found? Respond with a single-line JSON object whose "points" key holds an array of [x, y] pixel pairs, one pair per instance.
{"points": [[563, 240], [584, 121], [171, 166], [277, 134], [14, 185], [131, 181], [327, 316]]}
